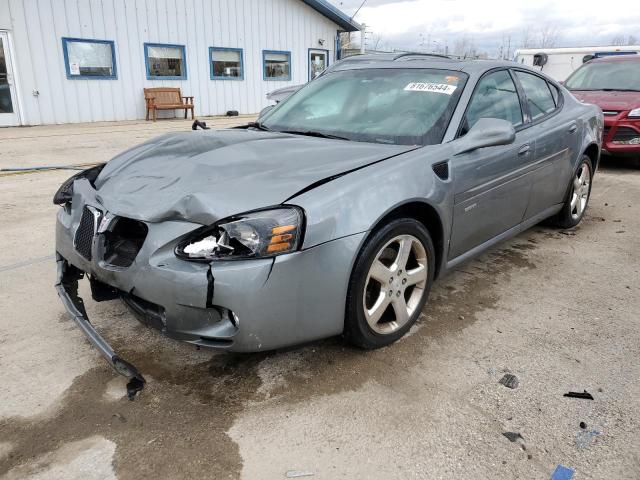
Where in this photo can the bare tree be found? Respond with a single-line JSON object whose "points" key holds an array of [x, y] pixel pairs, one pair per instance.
{"points": [[622, 40], [527, 38], [549, 36], [465, 47], [377, 42]]}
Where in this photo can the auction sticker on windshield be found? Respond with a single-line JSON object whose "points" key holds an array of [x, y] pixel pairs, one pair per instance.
{"points": [[431, 87]]}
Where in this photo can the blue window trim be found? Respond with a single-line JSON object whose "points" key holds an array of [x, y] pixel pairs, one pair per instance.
{"points": [[169, 45], [67, 68], [264, 64], [226, 49], [309, 59]]}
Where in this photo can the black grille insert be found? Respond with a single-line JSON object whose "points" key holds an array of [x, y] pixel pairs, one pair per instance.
{"points": [[84, 234], [625, 134], [123, 241]]}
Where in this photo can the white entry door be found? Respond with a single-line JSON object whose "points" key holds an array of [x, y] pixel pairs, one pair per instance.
{"points": [[8, 99], [318, 61]]}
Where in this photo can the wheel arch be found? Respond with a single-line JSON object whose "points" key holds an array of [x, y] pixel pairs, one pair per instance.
{"points": [[424, 213], [593, 152]]}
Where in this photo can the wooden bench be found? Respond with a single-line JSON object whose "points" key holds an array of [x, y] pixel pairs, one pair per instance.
{"points": [[164, 98]]}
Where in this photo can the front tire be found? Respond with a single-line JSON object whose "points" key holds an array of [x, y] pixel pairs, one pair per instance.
{"points": [[390, 284], [578, 199]]}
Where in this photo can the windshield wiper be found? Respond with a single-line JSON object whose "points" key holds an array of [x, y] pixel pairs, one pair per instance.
{"points": [[311, 133], [259, 126]]}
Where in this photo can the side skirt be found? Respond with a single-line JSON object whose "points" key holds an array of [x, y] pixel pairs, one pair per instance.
{"points": [[521, 227]]}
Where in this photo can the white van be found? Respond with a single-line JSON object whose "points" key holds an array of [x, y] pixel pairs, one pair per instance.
{"points": [[559, 63]]}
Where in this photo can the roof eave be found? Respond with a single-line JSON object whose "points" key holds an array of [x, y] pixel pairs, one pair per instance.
{"points": [[332, 13]]}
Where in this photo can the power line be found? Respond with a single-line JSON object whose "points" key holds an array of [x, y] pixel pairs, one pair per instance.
{"points": [[361, 5]]}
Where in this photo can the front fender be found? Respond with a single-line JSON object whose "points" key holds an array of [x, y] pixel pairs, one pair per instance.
{"points": [[355, 202]]}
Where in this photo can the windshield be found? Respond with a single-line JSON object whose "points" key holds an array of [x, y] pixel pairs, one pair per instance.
{"points": [[621, 75], [398, 106]]}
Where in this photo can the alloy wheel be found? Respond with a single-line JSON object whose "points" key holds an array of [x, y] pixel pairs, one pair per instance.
{"points": [[580, 195], [395, 284]]}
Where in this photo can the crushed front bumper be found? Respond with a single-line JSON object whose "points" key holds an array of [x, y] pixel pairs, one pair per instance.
{"points": [[67, 287], [240, 306]]}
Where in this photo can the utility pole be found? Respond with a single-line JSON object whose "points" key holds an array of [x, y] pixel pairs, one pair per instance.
{"points": [[509, 49], [363, 34]]}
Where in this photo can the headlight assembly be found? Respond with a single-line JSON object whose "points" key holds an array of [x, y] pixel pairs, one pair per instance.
{"points": [[635, 113], [65, 192], [259, 234]]}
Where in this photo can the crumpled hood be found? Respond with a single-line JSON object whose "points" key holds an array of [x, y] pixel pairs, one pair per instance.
{"points": [[617, 101], [204, 176]]}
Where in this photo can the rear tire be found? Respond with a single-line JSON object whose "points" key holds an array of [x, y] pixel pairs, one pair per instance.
{"points": [[578, 199], [389, 284]]}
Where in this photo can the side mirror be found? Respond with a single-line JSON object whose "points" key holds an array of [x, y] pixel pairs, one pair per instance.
{"points": [[265, 110], [487, 132]]}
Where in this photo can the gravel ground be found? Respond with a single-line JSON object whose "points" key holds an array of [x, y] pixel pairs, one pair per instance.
{"points": [[557, 309]]}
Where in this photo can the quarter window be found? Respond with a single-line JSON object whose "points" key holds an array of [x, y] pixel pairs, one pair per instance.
{"points": [[539, 98], [165, 62], [495, 97], [89, 58], [226, 63], [277, 65]]}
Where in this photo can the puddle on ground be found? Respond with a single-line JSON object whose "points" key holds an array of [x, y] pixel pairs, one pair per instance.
{"points": [[177, 425]]}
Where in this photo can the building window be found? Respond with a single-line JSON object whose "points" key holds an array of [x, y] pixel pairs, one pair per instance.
{"points": [[276, 65], [226, 63], [165, 62], [93, 59]]}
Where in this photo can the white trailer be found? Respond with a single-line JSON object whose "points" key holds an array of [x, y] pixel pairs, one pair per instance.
{"points": [[559, 63]]}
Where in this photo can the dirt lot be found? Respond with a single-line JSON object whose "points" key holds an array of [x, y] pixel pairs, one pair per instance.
{"points": [[557, 309]]}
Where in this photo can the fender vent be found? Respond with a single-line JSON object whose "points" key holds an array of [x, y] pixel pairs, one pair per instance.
{"points": [[84, 234], [442, 170]]}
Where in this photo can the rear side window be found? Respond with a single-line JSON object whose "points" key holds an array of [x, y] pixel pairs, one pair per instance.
{"points": [[495, 97], [538, 94]]}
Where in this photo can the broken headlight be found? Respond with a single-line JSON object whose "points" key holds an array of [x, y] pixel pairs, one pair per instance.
{"points": [[65, 192], [264, 233]]}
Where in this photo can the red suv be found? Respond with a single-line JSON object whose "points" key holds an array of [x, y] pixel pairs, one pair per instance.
{"points": [[613, 84]]}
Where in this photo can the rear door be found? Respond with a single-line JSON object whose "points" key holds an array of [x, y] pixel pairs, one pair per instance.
{"points": [[555, 144], [491, 184]]}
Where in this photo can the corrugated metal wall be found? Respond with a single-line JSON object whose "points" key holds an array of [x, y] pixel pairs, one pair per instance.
{"points": [[37, 26]]}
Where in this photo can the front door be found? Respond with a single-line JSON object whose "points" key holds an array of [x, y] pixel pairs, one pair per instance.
{"points": [[318, 61], [8, 98], [491, 184]]}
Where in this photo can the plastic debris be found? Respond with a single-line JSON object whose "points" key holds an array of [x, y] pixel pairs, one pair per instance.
{"points": [[134, 386], [586, 395], [299, 474], [583, 425], [509, 380], [562, 473], [513, 436], [585, 437]]}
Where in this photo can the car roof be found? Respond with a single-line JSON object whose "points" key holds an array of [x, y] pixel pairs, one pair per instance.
{"points": [[418, 60], [616, 58]]}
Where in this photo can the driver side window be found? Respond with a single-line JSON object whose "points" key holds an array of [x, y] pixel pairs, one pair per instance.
{"points": [[495, 97]]}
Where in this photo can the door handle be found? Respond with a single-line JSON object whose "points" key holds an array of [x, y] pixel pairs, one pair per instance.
{"points": [[524, 149], [573, 128]]}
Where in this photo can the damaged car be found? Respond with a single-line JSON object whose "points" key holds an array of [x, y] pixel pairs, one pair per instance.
{"points": [[335, 212]]}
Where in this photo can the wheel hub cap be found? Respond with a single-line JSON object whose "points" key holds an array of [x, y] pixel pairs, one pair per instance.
{"points": [[580, 195]]}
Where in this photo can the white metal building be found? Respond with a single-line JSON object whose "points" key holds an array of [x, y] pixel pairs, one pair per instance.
{"points": [[67, 61]]}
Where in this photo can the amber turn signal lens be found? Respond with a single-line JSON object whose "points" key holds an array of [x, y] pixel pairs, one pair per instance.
{"points": [[278, 247], [282, 229], [281, 238]]}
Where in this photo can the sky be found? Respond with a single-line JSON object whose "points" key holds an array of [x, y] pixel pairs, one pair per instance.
{"points": [[429, 25]]}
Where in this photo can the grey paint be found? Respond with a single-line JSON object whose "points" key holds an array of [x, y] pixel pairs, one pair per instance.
{"points": [[513, 179]]}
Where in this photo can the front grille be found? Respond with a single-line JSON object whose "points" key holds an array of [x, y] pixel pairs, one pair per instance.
{"points": [[84, 234], [625, 134], [605, 132]]}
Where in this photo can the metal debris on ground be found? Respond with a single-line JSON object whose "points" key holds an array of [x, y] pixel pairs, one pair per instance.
{"points": [[562, 473], [509, 380], [513, 436], [299, 474], [586, 395]]}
